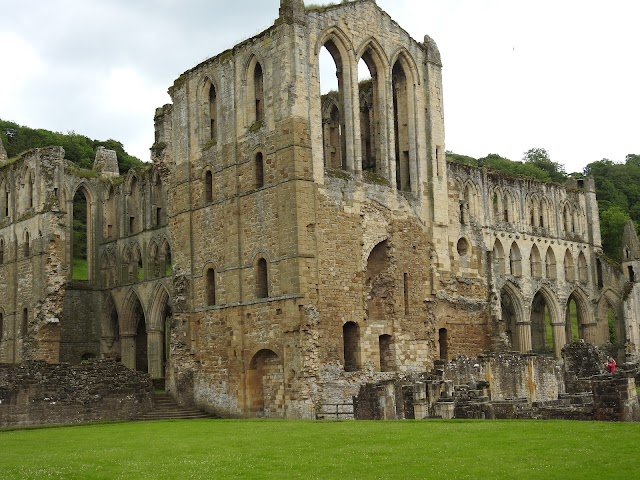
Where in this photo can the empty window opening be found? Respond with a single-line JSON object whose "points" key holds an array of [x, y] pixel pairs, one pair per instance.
{"points": [[134, 207], [79, 248], [168, 262], [110, 214], [612, 325], [27, 245], [443, 343], [401, 127], [262, 285], [208, 186], [211, 287], [462, 247], [350, 338], [258, 83], [369, 111], [259, 170], [573, 322], [1, 251], [385, 344], [541, 329], [213, 114], [599, 273], [406, 293], [632, 275], [332, 106], [25, 322]]}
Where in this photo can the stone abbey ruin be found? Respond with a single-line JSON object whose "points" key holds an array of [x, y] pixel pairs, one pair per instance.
{"points": [[287, 251]]}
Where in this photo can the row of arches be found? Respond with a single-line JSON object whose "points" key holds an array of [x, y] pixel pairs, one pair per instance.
{"points": [[23, 195], [134, 268], [544, 325], [538, 269], [538, 211], [375, 99], [23, 248], [138, 336]]}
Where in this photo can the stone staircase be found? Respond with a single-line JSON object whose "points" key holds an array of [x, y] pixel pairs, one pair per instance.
{"points": [[165, 408]]}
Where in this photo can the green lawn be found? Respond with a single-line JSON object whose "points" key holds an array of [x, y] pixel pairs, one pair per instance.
{"points": [[344, 450]]}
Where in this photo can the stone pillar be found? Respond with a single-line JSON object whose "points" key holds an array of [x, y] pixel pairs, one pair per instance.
{"points": [[128, 350], [559, 338], [154, 353], [589, 332], [523, 333]]}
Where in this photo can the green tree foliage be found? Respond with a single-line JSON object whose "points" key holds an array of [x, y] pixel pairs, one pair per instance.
{"points": [[497, 163], [539, 157], [79, 149]]}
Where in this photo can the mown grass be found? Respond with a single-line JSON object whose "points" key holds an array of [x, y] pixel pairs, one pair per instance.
{"points": [[345, 450]]}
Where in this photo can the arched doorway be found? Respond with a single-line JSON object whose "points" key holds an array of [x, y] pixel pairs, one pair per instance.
{"points": [[110, 347], [81, 236], [509, 317], [265, 385], [157, 333], [133, 335], [142, 361]]}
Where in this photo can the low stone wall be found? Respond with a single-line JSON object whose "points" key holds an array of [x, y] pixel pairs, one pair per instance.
{"points": [[37, 393]]}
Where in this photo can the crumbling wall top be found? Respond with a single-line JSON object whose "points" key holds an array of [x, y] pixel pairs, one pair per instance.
{"points": [[106, 163], [3, 152]]}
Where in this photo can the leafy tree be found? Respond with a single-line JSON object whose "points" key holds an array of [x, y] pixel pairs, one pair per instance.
{"points": [[612, 222], [79, 149], [539, 158]]}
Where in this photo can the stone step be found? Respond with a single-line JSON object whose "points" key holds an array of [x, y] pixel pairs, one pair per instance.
{"points": [[165, 408]]}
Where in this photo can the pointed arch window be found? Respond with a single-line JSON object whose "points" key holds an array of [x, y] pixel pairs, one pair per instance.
{"points": [[258, 84], [213, 114], [27, 244]]}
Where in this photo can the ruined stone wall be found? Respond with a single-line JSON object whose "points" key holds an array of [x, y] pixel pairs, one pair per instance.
{"points": [[37, 393]]}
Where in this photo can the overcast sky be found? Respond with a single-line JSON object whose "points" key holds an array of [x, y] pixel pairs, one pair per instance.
{"points": [[558, 74]]}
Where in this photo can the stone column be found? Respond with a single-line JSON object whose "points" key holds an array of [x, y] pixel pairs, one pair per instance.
{"points": [[154, 353], [128, 351], [523, 333], [559, 338], [589, 332]]}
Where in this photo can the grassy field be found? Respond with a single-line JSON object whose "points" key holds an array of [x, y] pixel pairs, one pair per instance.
{"points": [[345, 450]]}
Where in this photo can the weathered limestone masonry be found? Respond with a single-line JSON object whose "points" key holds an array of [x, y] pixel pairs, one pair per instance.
{"points": [[119, 308], [286, 248], [37, 393]]}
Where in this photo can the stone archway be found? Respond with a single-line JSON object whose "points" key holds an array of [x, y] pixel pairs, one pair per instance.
{"points": [[265, 385], [547, 328], [133, 335], [156, 333]]}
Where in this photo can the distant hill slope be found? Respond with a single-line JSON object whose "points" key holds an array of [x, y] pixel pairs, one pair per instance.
{"points": [[79, 149]]}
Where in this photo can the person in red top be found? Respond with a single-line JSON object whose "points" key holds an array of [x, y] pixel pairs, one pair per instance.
{"points": [[611, 365]]}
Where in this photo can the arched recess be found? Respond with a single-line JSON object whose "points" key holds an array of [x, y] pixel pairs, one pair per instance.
{"points": [[261, 278], [535, 262], [403, 88], [166, 259], [154, 261], [136, 267], [380, 294], [259, 170], [569, 268], [583, 271], [577, 317], [255, 81], [498, 259], [351, 346], [208, 186], [512, 314], [109, 214], [81, 245], [515, 260], [110, 336], [134, 206], [158, 199], [265, 385], [545, 217], [471, 200], [547, 327], [496, 206], [2, 253], [158, 332], [336, 44], [209, 112], [551, 269], [508, 208], [373, 117], [133, 334], [26, 244], [610, 326], [26, 200]]}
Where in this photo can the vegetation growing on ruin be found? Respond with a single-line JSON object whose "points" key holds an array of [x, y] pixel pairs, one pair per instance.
{"points": [[78, 149], [302, 449]]}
